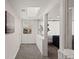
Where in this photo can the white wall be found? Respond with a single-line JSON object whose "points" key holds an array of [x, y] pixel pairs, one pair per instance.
{"points": [[42, 42], [30, 38], [39, 40], [12, 40], [39, 43], [45, 40]]}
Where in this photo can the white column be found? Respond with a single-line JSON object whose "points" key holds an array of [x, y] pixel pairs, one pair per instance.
{"points": [[45, 40], [68, 41], [65, 25], [62, 24], [65, 28], [69, 30]]}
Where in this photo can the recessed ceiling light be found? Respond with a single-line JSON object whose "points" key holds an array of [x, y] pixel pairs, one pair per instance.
{"points": [[58, 16]]}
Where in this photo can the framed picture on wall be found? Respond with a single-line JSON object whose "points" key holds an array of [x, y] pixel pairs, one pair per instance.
{"points": [[27, 30], [9, 23]]}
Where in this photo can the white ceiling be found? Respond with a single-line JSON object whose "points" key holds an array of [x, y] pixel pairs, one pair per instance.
{"points": [[43, 4], [24, 4], [54, 13]]}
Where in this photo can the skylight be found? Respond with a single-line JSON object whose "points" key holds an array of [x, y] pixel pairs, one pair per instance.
{"points": [[32, 11]]}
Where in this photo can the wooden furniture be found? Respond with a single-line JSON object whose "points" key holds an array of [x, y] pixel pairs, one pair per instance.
{"points": [[56, 40]]}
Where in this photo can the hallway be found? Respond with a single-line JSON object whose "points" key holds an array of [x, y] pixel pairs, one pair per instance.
{"points": [[32, 52], [30, 22]]}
